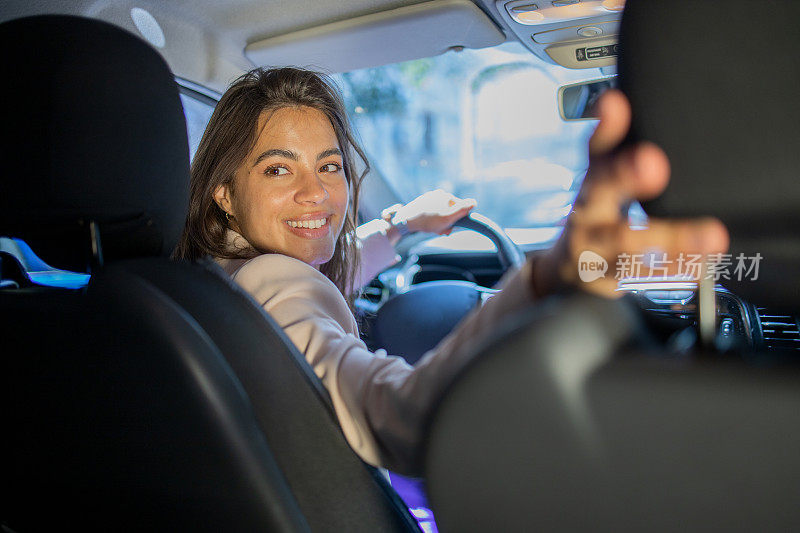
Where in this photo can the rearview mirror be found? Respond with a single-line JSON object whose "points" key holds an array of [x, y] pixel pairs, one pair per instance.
{"points": [[576, 101]]}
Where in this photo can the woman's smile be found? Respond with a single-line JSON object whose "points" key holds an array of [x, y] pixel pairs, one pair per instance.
{"points": [[311, 226]]}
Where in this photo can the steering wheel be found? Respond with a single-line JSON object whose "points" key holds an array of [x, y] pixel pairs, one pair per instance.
{"points": [[509, 253], [430, 310]]}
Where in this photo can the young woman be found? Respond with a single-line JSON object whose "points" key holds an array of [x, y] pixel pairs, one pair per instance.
{"points": [[274, 197]]}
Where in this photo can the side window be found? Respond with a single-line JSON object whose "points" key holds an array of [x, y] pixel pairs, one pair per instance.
{"points": [[197, 108]]}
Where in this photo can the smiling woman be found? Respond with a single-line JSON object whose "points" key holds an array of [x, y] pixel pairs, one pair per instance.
{"points": [[256, 142], [273, 197]]}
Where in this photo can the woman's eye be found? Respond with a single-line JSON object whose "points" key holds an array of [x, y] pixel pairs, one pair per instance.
{"points": [[276, 171], [331, 167]]}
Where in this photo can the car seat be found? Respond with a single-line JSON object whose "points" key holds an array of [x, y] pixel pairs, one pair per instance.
{"points": [[159, 395], [569, 420]]}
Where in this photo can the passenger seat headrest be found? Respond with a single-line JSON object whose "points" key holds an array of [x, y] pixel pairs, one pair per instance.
{"points": [[715, 84], [94, 132]]}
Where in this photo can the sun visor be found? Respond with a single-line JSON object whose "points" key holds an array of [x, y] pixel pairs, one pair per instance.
{"points": [[402, 34]]}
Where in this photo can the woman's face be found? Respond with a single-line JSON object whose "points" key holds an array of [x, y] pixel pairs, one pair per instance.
{"points": [[290, 195]]}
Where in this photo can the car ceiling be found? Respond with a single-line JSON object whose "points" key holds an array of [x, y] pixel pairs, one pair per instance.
{"points": [[205, 39]]}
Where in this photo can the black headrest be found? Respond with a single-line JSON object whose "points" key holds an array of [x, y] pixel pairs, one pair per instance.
{"points": [[715, 83], [93, 132]]}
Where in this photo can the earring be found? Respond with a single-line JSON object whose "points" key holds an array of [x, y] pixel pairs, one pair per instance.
{"points": [[228, 216]]}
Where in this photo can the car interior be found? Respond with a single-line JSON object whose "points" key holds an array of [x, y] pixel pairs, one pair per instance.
{"points": [[143, 392]]}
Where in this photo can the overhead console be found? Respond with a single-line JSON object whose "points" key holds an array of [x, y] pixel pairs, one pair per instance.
{"points": [[571, 33]]}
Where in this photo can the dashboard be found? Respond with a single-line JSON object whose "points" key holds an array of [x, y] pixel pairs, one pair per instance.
{"points": [[669, 307]]}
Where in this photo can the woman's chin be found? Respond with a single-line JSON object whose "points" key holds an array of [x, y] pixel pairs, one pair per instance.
{"points": [[315, 260]]}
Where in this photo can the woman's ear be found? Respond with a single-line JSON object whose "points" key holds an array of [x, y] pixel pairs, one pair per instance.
{"points": [[223, 199]]}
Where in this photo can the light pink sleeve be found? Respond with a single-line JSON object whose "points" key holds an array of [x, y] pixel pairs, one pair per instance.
{"points": [[377, 253], [381, 402]]}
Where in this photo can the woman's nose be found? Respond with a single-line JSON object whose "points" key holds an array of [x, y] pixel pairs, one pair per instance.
{"points": [[311, 189]]}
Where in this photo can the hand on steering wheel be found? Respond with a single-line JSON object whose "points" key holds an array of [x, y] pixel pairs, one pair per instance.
{"points": [[432, 212]]}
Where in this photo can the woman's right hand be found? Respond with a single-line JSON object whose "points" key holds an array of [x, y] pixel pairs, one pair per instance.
{"points": [[599, 223]]}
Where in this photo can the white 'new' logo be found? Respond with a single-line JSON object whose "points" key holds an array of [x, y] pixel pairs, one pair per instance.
{"points": [[591, 266]]}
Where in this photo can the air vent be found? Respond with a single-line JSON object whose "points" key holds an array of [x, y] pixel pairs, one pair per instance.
{"points": [[780, 332]]}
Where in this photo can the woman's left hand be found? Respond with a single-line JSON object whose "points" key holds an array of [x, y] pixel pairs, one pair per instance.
{"points": [[433, 212]]}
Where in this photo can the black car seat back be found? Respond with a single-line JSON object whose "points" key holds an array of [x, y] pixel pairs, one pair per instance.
{"points": [[159, 395], [121, 414], [563, 424]]}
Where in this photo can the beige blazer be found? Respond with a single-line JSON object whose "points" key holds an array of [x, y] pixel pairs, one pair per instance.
{"points": [[381, 401]]}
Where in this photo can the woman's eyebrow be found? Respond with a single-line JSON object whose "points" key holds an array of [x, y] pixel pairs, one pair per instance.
{"points": [[288, 154], [329, 152]]}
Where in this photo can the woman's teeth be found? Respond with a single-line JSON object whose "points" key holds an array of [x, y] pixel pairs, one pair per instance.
{"points": [[310, 224]]}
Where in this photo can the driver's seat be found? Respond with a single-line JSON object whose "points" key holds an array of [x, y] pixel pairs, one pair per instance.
{"points": [[159, 396]]}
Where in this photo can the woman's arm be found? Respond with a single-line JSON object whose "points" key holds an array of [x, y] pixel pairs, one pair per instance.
{"points": [[432, 212], [381, 402], [377, 251]]}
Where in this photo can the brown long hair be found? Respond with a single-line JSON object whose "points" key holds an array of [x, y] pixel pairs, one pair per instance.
{"points": [[231, 135]]}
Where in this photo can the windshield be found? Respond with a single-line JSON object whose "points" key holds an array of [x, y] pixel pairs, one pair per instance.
{"points": [[478, 123]]}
